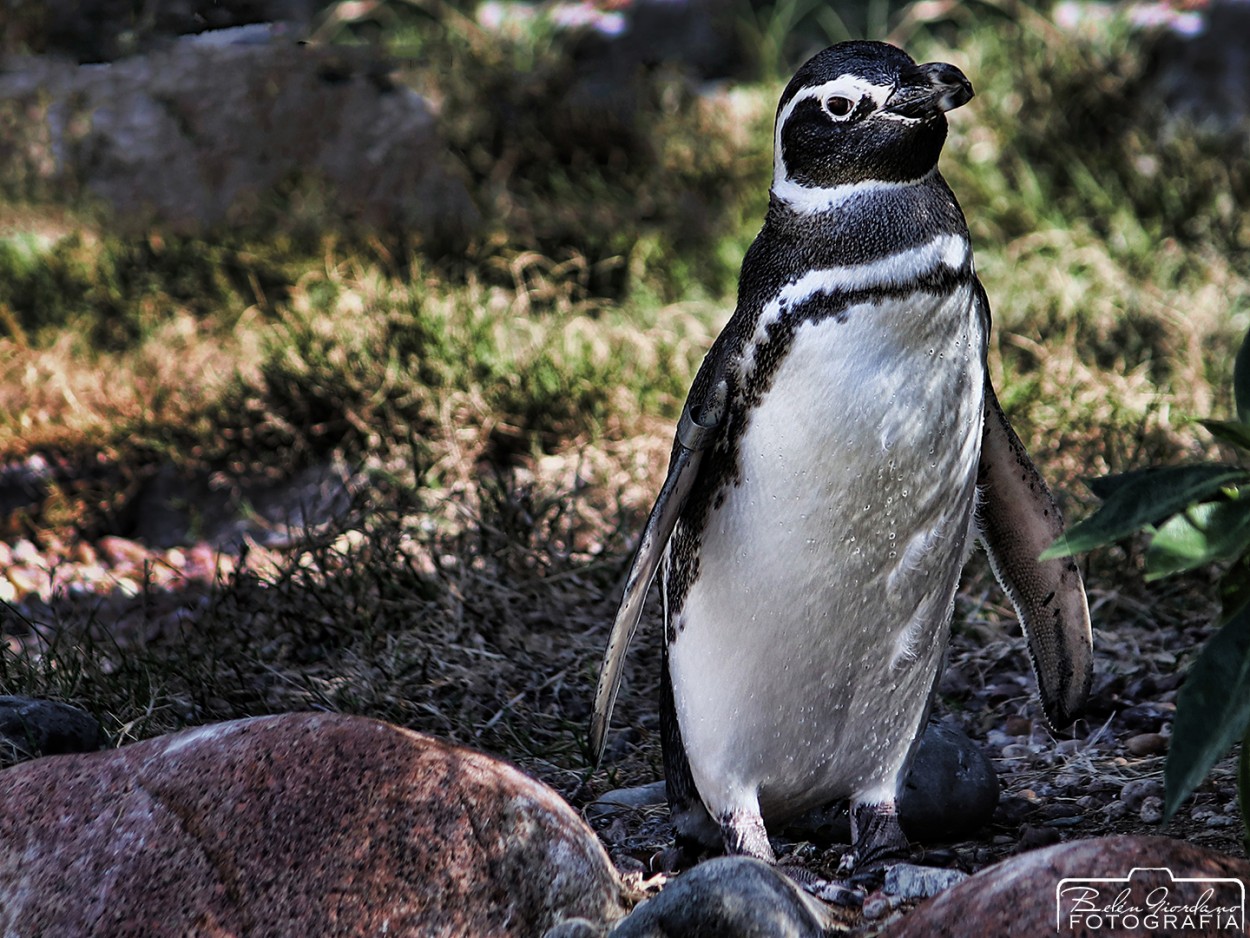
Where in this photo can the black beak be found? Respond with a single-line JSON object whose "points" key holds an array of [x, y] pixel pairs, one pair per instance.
{"points": [[930, 90]]}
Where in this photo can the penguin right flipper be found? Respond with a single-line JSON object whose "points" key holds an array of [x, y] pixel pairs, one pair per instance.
{"points": [[700, 423], [1017, 519]]}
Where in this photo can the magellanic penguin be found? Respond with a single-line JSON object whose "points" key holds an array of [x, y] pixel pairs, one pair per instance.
{"points": [[840, 447]]}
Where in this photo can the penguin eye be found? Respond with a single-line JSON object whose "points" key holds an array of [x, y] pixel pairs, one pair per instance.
{"points": [[839, 107]]}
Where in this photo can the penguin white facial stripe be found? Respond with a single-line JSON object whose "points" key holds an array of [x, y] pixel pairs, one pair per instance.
{"points": [[894, 270], [810, 200]]}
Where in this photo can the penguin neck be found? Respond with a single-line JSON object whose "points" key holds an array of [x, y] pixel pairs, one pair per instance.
{"points": [[803, 199], [865, 223]]}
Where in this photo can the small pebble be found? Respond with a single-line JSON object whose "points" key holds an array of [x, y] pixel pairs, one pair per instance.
{"points": [[1059, 810], [1018, 726], [1147, 744], [1116, 810], [1151, 811], [1221, 820], [1136, 790], [1033, 837]]}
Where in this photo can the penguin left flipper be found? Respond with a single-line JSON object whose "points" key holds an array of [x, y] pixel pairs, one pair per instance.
{"points": [[1017, 519], [701, 419]]}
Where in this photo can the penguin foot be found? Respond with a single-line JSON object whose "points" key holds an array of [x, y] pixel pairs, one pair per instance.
{"points": [[877, 839], [744, 835]]}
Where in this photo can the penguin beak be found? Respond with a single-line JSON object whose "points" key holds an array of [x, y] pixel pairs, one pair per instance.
{"points": [[932, 89]]}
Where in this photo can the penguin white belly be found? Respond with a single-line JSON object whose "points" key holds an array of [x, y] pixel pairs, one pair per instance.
{"points": [[807, 646]]}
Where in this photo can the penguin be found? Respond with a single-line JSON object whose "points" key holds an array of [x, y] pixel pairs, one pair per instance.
{"points": [[840, 450]]}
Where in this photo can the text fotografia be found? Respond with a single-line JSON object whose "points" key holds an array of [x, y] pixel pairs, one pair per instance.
{"points": [[1151, 900]]}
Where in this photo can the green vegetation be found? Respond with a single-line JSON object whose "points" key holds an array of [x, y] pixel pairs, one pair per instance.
{"points": [[1196, 515], [510, 403]]}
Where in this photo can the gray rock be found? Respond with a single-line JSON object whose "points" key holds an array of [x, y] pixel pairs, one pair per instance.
{"points": [[620, 800], [730, 897], [172, 506], [204, 135], [294, 825], [909, 881], [1136, 790], [30, 728]]}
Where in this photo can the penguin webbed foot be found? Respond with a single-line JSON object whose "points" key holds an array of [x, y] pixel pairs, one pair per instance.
{"points": [[878, 841]]}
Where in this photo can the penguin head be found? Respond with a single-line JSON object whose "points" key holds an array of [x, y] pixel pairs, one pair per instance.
{"points": [[860, 112]]}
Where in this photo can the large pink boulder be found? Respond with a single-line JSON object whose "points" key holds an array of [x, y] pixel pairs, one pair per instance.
{"points": [[294, 825]]}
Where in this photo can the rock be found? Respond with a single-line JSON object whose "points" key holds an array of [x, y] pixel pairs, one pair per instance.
{"points": [[909, 881], [101, 30], [1137, 789], [1019, 896], [1034, 836], [30, 728], [1018, 726], [950, 792], [620, 800], [951, 789], [203, 135], [1151, 810], [293, 825], [1147, 744], [730, 897]]}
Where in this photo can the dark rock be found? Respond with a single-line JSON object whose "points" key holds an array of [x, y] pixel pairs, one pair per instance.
{"points": [[30, 728], [173, 507], [731, 897], [1144, 717], [1018, 896], [1013, 809], [204, 135], [1034, 836], [294, 825], [951, 790]]}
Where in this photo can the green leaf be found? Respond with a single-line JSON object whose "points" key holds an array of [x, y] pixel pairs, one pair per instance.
{"points": [[1241, 380], [1230, 431], [1212, 710], [1143, 498], [1205, 533], [1234, 586]]}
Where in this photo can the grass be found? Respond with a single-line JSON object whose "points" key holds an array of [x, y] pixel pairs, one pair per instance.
{"points": [[510, 405]]}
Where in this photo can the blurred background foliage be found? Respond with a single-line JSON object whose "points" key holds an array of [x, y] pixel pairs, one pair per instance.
{"points": [[1111, 242]]}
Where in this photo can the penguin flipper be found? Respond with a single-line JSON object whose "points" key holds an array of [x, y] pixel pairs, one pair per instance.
{"points": [[696, 431], [1017, 519]]}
